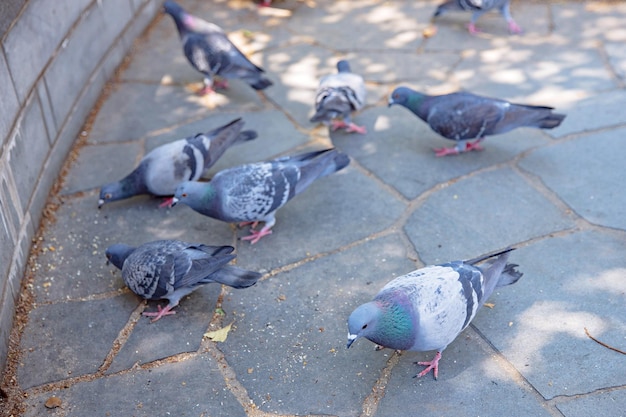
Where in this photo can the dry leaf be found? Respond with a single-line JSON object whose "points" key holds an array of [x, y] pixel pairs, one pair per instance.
{"points": [[219, 335], [490, 305], [429, 32], [53, 402]]}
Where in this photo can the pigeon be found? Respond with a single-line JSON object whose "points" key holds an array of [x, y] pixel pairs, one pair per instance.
{"points": [[171, 269], [428, 308], [478, 8], [209, 51], [462, 116], [337, 96], [252, 193], [161, 170]]}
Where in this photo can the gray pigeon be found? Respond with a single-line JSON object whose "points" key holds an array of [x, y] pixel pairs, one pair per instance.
{"points": [[338, 95], [252, 193], [478, 8], [428, 308], [209, 51], [161, 170], [463, 116], [171, 269]]}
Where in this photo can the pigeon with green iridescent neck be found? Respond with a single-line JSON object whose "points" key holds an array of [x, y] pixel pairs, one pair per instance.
{"points": [[478, 8], [171, 269], [253, 193], [161, 170], [209, 51], [428, 308], [464, 116]]}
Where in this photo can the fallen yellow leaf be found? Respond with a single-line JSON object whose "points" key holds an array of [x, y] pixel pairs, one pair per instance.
{"points": [[219, 335], [490, 305]]}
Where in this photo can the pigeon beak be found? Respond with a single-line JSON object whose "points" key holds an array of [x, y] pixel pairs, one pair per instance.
{"points": [[100, 203], [174, 201], [390, 102], [351, 339]]}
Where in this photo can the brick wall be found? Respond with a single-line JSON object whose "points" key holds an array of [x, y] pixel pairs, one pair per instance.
{"points": [[56, 57]]}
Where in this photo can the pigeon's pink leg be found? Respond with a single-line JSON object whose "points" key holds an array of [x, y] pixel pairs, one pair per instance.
{"points": [[474, 146], [446, 151], [472, 29], [434, 365], [256, 235], [207, 89], [340, 124], [167, 202], [265, 3], [357, 129], [254, 224], [167, 311], [221, 83], [514, 27]]}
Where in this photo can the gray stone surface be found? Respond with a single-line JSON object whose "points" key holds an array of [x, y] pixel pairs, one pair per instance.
{"points": [[9, 104], [394, 209], [462, 220], [586, 173], [191, 388]]}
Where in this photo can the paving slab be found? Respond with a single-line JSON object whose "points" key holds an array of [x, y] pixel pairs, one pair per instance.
{"points": [[290, 335], [54, 343], [470, 374], [585, 173], [457, 219], [579, 407], [192, 387], [570, 283]]}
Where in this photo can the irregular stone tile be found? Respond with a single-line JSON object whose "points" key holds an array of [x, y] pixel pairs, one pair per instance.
{"points": [[170, 335], [72, 261], [570, 283], [192, 387], [100, 164], [134, 110], [399, 150], [276, 135], [363, 24], [331, 213], [290, 332], [597, 112], [485, 212], [617, 58], [603, 20], [469, 372], [55, 342], [587, 184], [610, 403], [536, 71]]}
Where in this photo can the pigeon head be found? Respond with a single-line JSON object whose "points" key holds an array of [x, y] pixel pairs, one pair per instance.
{"points": [[343, 66], [363, 322], [125, 188], [401, 96], [173, 9], [387, 321], [193, 193], [117, 254]]}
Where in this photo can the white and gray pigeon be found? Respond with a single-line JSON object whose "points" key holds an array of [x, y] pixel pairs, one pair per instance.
{"points": [[171, 269], [463, 116], [478, 8], [163, 168], [338, 95], [428, 308], [253, 193], [209, 51]]}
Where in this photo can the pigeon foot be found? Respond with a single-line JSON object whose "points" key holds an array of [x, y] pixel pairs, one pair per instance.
{"points": [[472, 29], [207, 89], [433, 364], [446, 151], [356, 129], [167, 311], [474, 146], [514, 27], [254, 224], [256, 235], [223, 84], [167, 202]]}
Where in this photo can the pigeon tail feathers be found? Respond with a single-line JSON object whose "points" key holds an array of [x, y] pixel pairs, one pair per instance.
{"points": [[235, 277]]}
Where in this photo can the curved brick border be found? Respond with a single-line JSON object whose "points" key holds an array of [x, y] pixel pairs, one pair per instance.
{"points": [[56, 57]]}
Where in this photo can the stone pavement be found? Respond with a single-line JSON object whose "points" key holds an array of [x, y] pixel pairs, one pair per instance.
{"points": [[557, 194]]}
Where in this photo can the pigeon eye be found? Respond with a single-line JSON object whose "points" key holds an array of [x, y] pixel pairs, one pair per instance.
{"points": [[183, 195], [364, 326], [107, 196]]}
